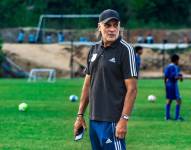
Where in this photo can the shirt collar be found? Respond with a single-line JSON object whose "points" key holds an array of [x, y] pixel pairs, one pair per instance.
{"points": [[114, 44]]}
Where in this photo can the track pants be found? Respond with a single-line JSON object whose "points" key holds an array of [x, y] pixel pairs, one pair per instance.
{"points": [[102, 136]]}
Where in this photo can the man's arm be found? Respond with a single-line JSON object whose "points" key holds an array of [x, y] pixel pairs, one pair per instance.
{"points": [[131, 85], [84, 100]]}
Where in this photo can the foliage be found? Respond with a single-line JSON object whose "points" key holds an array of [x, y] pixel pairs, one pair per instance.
{"points": [[24, 14], [134, 13], [161, 12]]}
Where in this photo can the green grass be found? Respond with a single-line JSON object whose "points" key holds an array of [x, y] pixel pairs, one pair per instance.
{"points": [[48, 124]]}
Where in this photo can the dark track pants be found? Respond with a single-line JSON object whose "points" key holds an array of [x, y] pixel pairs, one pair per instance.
{"points": [[102, 136]]}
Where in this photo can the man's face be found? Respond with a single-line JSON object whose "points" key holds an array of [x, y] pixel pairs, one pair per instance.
{"points": [[109, 31], [140, 51], [177, 62]]}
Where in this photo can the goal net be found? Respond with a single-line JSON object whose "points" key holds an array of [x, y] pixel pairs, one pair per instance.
{"points": [[73, 31], [42, 73], [71, 26]]}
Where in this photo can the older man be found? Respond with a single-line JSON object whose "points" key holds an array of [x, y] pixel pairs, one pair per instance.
{"points": [[110, 86]]}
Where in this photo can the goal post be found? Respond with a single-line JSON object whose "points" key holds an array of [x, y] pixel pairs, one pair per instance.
{"points": [[77, 30], [43, 18], [36, 73]]}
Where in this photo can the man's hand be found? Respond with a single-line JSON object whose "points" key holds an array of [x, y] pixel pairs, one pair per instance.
{"points": [[80, 122], [121, 129], [180, 77]]}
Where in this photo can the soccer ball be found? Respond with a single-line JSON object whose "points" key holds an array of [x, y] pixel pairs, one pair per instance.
{"points": [[23, 107], [73, 98], [151, 98]]}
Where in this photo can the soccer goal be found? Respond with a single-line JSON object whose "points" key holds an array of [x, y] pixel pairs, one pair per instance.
{"points": [[42, 73], [60, 22], [71, 31]]}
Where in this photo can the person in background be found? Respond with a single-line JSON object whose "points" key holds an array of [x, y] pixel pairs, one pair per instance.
{"points": [[171, 76], [60, 36], [110, 86], [48, 38], [31, 38], [21, 36], [140, 38], [149, 39], [139, 52]]}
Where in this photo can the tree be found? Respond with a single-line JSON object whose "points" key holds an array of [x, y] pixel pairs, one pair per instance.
{"points": [[171, 12], [138, 13]]}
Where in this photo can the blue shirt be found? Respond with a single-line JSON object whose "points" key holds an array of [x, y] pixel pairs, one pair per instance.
{"points": [[138, 62], [60, 37], [31, 38], [171, 72], [20, 37]]}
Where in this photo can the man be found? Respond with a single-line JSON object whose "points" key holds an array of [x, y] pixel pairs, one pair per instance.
{"points": [[110, 86], [60, 36], [171, 76], [139, 52], [21, 36], [149, 39]]}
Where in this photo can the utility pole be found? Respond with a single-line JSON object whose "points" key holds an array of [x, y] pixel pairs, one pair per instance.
{"points": [[72, 59], [163, 54]]}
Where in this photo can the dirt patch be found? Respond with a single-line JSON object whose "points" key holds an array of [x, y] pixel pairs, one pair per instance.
{"points": [[58, 56]]}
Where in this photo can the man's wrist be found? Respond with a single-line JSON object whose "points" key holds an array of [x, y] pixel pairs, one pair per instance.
{"points": [[125, 117], [80, 115]]}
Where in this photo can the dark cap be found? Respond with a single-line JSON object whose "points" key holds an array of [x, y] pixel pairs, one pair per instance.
{"points": [[108, 14]]}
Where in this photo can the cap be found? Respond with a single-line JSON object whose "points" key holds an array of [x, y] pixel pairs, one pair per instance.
{"points": [[108, 14]]}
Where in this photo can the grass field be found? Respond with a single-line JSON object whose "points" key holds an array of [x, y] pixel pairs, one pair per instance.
{"points": [[48, 124]]}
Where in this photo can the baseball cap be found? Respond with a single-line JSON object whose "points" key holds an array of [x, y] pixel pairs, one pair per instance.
{"points": [[108, 14]]}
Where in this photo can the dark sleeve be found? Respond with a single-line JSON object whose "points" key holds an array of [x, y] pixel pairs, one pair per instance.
{"points": [[87, 69], [129, 62]]}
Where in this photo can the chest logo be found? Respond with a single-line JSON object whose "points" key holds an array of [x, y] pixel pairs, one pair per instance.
{"points": [[93, 57], [112, 60], [108, 141]]}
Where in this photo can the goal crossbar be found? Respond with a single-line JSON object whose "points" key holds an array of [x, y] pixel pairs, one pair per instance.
{"points": [[61, 16], [51, 74]]}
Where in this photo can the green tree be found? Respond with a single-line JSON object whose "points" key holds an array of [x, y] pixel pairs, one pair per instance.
{"points": [[136, 13], [16, 13], [157, 12], [173, 11]]}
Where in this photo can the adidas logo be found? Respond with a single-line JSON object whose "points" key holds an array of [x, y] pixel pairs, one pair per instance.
{"points": [[112, 60], [108, 141]]}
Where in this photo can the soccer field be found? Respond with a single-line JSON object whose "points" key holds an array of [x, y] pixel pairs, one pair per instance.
{"points": [[48, 123]]}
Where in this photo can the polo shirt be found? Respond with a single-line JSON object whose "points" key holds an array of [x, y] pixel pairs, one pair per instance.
{"points": [[108, 68]]}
